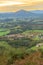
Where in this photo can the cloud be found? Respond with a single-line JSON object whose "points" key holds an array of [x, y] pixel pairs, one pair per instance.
{"points": [[9, 3], [14, 5]]}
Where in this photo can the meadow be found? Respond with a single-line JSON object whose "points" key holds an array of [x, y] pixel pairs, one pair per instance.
{"points": [[4, 32]]}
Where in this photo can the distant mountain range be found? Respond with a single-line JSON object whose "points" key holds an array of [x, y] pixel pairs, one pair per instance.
{"points": [[23, 14], [37, 11]]}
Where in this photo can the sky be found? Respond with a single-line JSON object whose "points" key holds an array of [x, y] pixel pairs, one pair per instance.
{"points": [[15, 5]]}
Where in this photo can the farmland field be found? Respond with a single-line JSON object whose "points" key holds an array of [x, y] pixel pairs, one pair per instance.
{"points": [[4, 32]]}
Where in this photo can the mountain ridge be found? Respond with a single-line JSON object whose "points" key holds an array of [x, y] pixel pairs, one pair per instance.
{"points": [[22, 14]]}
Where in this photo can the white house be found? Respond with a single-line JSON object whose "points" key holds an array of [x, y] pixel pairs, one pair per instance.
{"points": [[39, 45]]}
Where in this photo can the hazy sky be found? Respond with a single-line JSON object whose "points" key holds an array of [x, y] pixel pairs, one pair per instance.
{"points": [[14, 5]]}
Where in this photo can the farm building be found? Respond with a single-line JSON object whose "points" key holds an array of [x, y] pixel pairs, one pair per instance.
{"points": [[39, 45]]}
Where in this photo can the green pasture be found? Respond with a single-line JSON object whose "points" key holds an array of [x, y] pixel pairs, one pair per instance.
{"points": [[4, 32], [33, 31]]}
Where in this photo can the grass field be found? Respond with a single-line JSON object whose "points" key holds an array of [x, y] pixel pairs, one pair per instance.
{"points": [[4, 32], [36, 48], [33, 31]]}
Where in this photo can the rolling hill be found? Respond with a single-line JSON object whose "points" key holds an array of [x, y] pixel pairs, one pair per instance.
{"points": [[22, 14]]}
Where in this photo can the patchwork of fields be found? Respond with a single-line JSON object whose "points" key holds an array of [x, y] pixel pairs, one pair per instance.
{"points": [[20, 43]]}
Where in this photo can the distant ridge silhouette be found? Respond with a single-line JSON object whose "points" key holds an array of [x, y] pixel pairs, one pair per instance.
{"points": [[22, 14]]}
